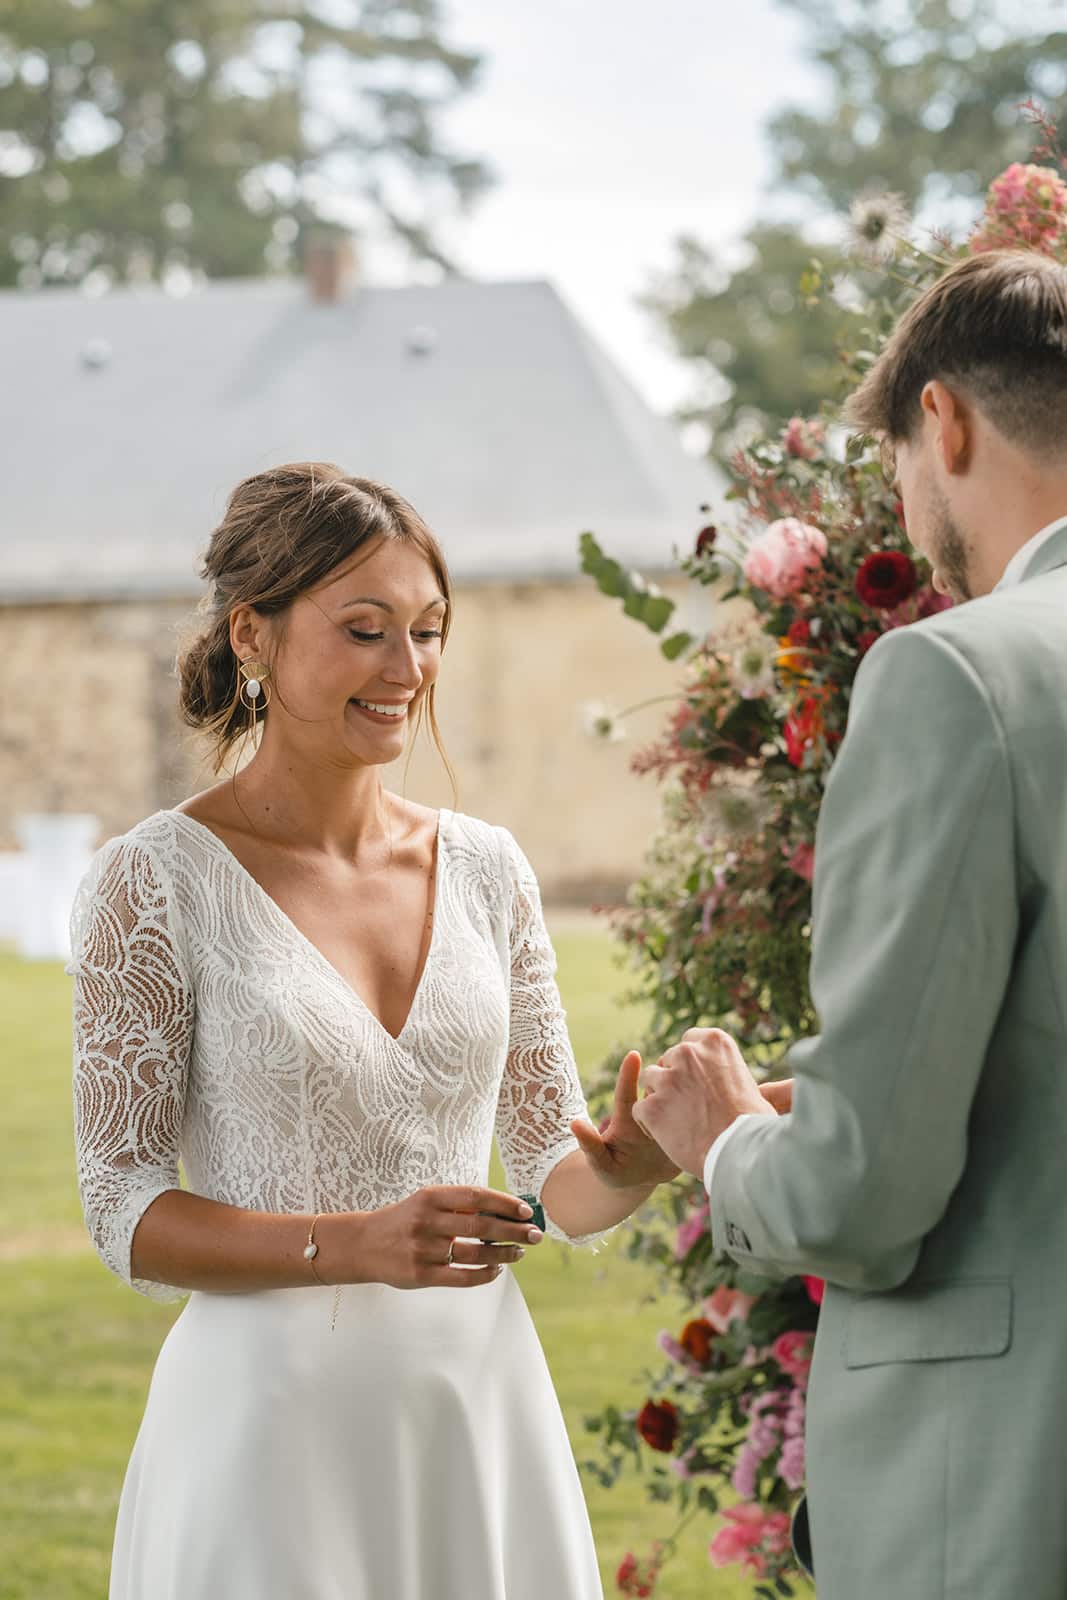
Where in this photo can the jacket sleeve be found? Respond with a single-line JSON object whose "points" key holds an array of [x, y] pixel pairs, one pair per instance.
{"points": [[133, 1023], [915, 920]]}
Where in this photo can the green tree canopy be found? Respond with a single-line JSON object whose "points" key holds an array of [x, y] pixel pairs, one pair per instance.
{"points": [[922, 98], [142, 135]]}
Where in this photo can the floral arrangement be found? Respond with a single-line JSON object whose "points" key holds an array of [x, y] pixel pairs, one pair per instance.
{"points": [[718, 929]]}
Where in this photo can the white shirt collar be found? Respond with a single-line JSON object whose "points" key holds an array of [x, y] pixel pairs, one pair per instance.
{"points": [[1023, 556]]}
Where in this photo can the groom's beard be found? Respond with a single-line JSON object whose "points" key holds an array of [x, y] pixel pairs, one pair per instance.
{"points": [[949, 555]]}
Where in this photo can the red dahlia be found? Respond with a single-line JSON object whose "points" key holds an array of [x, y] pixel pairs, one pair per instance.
{"points": [[658, 1424], [799, 632], [695, 1339], [886, 579]]}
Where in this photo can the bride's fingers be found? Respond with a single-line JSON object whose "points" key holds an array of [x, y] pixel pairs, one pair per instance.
{"points": [[480, 1225], [779, 1095], [626, 1086], [469, 1253], [592, 1144], [462, 1277]]}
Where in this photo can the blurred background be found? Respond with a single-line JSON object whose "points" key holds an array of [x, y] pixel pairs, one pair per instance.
{"points": [[542, 269], [539, 271]]}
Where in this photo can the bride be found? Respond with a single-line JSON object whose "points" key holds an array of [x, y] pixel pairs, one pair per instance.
{"points": [[322, 1000]]}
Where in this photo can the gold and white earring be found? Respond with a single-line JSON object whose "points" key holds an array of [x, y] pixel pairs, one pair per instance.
{"points": [[254, 688]]}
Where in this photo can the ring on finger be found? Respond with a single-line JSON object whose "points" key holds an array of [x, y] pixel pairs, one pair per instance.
{"points": [[451, 1247]]}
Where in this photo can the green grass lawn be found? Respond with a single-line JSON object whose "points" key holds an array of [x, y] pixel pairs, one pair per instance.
{"points": [[77, 1348]]}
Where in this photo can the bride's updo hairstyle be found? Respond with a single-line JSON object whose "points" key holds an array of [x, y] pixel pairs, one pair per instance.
{"points": [[284, 531]]}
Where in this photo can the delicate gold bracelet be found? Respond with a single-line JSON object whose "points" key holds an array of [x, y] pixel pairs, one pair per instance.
{"points": [[311, 1250]]}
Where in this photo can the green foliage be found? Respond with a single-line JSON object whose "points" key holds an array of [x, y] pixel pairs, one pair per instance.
{"points": [[760, 328], [640, 599], [921, 98], [718, 927], [205, 136]]}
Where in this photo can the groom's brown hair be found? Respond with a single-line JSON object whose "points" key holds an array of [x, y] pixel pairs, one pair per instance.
{"points": [[995, 325]]}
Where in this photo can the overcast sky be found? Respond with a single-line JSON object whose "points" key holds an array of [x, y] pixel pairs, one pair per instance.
{"points": [[613, 126]]}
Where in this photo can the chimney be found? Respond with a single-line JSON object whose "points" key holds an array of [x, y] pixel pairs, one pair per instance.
{"points": [[329, 266]]}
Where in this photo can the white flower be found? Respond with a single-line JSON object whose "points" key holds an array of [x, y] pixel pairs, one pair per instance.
{"points": [[734, 810], [877, 225], [752, 666], [601, 722]]}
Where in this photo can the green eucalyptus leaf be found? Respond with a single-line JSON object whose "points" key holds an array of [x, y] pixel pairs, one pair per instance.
{"points": [[640, 599], [676, 645]]}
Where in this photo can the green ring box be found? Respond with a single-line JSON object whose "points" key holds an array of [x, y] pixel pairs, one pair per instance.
{"points": [[536, 1221]]}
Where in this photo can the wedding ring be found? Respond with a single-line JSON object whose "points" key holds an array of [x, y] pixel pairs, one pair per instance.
{"points": [[451, 1244]]}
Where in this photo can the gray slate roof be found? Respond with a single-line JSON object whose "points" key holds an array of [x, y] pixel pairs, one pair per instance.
{"points": [[511, 435]]}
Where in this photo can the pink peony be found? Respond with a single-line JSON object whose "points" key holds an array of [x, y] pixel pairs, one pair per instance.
{"points": [[724, 1306], [792, 1351], [783, 555]]}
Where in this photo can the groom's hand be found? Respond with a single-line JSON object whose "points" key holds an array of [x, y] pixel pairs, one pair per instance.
{"points": [[699, 1087], [622, 1154]]}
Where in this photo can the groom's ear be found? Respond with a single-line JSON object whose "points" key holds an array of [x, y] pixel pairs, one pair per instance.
{"points": [[951, 420]]}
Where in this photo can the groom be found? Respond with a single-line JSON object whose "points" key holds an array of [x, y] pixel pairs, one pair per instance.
{"points": [[923, 1169]]}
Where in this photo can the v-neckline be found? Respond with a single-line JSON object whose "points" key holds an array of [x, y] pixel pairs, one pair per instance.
{"points": [[309, 944]]}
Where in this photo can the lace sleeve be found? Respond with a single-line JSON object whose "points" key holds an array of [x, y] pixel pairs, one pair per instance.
{"points": [[133, 1020], [541, 1092]]}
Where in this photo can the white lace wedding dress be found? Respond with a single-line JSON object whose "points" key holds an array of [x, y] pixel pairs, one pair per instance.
{"points": [[416, 1450]]}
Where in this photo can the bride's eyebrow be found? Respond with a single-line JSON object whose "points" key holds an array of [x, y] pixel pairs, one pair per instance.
{"points": [[383, 605]]}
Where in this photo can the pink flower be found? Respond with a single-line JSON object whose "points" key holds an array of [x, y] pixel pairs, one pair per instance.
{"points": [[724, 1306], [776, 1532], [929, 602], [750, 1535], [791, 1462], [785, 552], [743, 1531], [743, 1477], [792, 1351], [671, 1347], [693, 1228], [802, 862], [803, 438], [795, 1415], [1026, 207], [816, 1288]]}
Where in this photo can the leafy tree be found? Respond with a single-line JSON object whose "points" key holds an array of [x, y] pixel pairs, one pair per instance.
{"points": [[141, 136], [922, 98], [755, 328]]}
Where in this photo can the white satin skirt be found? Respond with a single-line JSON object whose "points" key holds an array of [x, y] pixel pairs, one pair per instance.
{"points": [[416, 1451]]}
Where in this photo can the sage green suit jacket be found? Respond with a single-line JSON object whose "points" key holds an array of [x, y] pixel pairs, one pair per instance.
{"points": [[923, 1171]]}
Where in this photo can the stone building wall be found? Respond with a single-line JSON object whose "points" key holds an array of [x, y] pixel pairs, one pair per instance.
{"points": [[87, 722]]}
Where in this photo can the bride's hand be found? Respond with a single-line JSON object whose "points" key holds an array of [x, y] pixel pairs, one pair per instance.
{"points": [[406, 1245], [779, 1095], [624, 1156]]}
